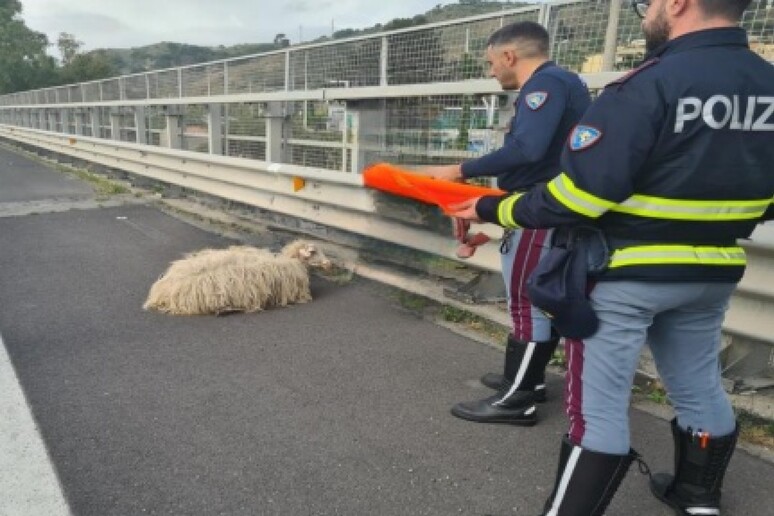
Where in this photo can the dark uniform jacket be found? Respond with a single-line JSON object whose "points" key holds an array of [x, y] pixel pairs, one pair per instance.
{"points": [[549, 105], [675, 162]]}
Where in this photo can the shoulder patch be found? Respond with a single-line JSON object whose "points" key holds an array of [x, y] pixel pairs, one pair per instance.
{"points": [[536, 99], [583, 137], [635, 71]]}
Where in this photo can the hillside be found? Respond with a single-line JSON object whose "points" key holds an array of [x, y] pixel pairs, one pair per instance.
{"points": [[168, 54]]}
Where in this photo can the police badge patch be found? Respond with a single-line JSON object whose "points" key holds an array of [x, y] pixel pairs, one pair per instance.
{"points": [[535, 100], [583, 137]]}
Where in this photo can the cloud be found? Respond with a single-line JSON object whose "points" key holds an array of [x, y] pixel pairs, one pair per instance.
{"points": [[306, 5], [114, 24]]}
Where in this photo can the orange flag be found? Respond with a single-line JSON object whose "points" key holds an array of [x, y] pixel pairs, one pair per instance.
{"points": [[391, 179]]}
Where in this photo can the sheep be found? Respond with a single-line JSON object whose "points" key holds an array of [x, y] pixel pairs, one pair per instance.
{"points": [[236, 279]]}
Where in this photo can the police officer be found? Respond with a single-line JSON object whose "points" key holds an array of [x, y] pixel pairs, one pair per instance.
{"points": [[674, 163], [550, 102]]}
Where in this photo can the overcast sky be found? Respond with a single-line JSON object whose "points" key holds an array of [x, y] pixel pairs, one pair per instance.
{"points": [[131, 23]]}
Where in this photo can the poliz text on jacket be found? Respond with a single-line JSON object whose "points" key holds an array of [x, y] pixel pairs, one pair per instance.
{"points": [[720, 111]]}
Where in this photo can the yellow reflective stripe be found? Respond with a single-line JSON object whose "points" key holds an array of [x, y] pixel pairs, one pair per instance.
{"points": [[678, 255], [685, 209], [577, 200], [505, 211]]}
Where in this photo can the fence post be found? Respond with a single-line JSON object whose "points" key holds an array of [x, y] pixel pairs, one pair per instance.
{"points": [[384, 62], [172, 136], [141, 135], [115, 125], [215, 128], [275, 122], [611, 36]]}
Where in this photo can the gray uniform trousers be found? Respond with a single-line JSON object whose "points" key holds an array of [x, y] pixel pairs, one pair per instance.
{"points": [[681, 322], [520, 253]]}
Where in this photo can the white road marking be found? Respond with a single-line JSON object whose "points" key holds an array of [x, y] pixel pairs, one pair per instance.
{"points": [[28, 483]]}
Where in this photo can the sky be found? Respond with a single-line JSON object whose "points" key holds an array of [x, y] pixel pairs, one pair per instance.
{"points": [[132, 23]]}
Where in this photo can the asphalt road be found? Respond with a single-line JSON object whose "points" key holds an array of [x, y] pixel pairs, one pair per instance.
{"points": [[336, 407]]}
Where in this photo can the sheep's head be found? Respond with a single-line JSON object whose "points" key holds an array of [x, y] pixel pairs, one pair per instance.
{"points": [[308, 253]]}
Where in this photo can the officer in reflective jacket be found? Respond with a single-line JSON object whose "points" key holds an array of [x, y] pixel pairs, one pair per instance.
{"points": [[674, 163]]}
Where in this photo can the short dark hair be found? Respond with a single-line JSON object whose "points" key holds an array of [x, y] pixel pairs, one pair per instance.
{"points": [[533, 34], [729, 9]]}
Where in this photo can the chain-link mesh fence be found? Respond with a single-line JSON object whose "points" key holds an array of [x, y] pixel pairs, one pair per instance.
{"points": [[345, 135]]}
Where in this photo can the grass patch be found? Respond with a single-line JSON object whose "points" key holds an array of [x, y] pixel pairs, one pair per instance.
{"points": [[755, 429], [651, 390], [473, 322], [412, 302], [102, 186], [559, 359], [451, 314]]}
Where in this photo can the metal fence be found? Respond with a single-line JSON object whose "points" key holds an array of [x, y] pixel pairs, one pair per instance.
{"points": [[254, 126], [319, 85]]}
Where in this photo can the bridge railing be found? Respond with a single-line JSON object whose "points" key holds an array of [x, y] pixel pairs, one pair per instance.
{"points": [[290, 130]]}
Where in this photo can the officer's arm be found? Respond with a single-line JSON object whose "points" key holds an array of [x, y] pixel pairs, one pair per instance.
{"points": [[601, 162], [769, 214], [538, 115]]}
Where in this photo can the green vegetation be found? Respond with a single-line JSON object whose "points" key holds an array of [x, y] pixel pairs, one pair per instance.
{"points": [[24, 64], [102, 187], [755, 429], [452, 315]]}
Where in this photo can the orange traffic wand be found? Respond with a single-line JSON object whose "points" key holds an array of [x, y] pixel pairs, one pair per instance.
{"points": [[391, 179]]}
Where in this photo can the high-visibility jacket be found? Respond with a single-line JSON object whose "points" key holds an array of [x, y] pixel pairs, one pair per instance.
{"points": [[675, 162]]}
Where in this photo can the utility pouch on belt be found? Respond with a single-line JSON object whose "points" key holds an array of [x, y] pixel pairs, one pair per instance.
{"points": [[558, 285]]}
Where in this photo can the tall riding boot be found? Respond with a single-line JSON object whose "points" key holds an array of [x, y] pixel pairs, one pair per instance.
{"points": [[515, 403], [512, 361], [700, 463], [586, 481]]}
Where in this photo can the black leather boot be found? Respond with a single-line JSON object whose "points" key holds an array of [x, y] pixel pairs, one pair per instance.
{"points": [[512, 361], [516, 403], [700, 464], [586, 481]]}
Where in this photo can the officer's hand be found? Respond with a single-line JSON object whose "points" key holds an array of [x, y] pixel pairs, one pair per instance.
{"points": [[465, 210], [445, 172]]}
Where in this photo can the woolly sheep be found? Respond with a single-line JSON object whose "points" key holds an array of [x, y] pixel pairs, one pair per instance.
{"points": [[236, 279]]}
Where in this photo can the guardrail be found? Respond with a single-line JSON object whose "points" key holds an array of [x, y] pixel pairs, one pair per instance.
{"points": [[340, 201], [289, 131]]}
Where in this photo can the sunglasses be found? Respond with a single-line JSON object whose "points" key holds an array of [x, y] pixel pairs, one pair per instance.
{"points": [[641, 7]]}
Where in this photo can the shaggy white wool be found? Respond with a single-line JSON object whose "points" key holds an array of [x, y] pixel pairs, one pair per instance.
{"points": [[239, 278]]}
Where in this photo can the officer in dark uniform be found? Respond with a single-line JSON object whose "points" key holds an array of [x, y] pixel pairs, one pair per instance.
{"points": [[674, 164], [551, 101]]}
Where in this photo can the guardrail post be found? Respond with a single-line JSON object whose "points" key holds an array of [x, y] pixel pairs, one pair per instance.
{"points": [[96, 130], [172, 135], [115, 125], [275, 124], [78, 115], [215, 128], [141, 135], [365, 132], [64, 118]]}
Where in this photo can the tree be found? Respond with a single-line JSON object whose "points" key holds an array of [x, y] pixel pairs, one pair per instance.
{"points": [[24, 63], [281, 41], [87, 67], [68, 47]]}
